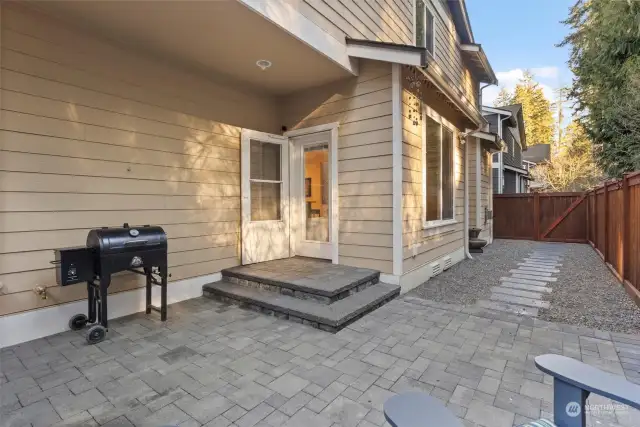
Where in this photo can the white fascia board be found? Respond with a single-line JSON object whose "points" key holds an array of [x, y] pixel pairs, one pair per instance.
{"points": [[305, 30], [496, 111], [470, 47], [395, 56], [515, 169], [484, 135]]}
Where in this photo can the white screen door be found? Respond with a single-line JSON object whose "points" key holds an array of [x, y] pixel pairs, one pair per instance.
{"points": [[311, 195], [265, 197]]}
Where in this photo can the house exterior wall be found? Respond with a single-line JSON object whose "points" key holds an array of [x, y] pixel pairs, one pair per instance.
{"points": [[393, 21], [474, 181], [496, 181], [510, 182], [420, 246], [513, 156], [93, 135], [486, 195], [383, 20], [362, 106], [447, 53]]}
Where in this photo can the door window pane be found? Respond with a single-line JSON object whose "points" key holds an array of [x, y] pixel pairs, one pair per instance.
{"points": [[265, 201], [447, 174], [433, 146], [316, 192], [265, 161]]}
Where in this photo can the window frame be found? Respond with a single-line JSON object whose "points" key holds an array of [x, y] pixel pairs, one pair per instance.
{"points": [[431, 49], [429, 112]]}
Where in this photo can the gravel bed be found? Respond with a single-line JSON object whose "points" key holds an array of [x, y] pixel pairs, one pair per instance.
{"points": [[472, 279], [587, 294]]}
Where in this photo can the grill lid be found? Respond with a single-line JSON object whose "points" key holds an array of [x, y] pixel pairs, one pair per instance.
{"points": [[126, 239]]}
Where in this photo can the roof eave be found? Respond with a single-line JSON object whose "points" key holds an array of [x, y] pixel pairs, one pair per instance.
{"points": [[477, 53], [389, 52]]}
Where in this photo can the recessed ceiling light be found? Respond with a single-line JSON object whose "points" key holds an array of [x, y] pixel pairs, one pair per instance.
{"points": [[263, 64]]}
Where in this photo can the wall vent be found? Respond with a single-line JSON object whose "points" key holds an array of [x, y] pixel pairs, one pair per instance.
{"points": [[447, 262], [435, 268]]}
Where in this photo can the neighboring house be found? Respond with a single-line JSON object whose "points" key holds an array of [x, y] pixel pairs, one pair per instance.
{"points": [[509, 172], [535, 154], [249, 130]]}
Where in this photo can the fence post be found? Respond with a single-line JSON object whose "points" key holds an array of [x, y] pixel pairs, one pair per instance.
{"points": [[536, 215], [605, 249], [588, 199], [625, 227]]}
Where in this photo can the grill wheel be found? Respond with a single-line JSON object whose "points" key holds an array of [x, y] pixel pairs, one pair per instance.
{"points": [[96, 334], [78, 322]]}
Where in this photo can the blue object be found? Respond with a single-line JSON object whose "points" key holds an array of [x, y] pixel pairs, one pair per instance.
{"points": [[416, 409], [573, 381]]}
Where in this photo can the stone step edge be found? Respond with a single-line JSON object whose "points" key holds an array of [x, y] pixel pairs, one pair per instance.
{"points": [[330, 317], [511, 299], [343, 292], [508, 308]]}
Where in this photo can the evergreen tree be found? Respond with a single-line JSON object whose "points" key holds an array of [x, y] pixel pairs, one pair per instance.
{"points": [[537, 110], [605, 59], [504, 98]]}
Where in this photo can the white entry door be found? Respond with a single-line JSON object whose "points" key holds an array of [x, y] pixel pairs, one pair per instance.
{"points": [[265, 196], [311, 195]]}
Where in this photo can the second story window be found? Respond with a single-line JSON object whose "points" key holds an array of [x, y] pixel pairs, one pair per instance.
{"points": [[424, 26]]}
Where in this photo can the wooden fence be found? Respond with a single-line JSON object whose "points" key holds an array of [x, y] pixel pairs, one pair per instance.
{"points": [[607, 217], [613, 229], [551, 217]]}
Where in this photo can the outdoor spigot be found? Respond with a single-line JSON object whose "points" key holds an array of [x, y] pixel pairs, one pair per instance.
{"points": [[41, 291]]}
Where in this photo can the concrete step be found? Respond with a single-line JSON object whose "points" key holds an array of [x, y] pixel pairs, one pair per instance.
{"points": [[529, 302], [533, 277], [530, 272], [538, 268], [329, 317], [325, 290], [545, 257], [532, 288], [540, 264], [516, 292], [509, 308], [524, 281]]}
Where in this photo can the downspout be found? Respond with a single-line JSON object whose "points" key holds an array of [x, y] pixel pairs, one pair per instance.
{"points": [[467, 254], [501, 180], [465, 163]]}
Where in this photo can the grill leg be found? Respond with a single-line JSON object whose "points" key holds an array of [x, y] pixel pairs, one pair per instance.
{"points": [[91, 300], [163, 293], [147, 271], [104, 285]]}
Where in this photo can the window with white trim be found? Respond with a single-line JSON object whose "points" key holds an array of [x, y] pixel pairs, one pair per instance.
{"points": [[424, 26], [438, 170]]}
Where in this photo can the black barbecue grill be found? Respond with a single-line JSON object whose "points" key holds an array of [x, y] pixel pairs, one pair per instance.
{"points": [[140, 250]]}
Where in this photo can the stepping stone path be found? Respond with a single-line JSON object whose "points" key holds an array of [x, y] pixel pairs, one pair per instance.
{"points": [[522, 292]]}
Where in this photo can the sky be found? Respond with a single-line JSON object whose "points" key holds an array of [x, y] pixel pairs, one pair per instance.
{"points": [[518, 35]]}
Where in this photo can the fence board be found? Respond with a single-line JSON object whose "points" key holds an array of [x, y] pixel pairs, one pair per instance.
{"points": [[608, 218], [519, 216]]}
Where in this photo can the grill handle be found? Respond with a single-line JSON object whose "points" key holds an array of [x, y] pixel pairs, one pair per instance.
{"points": [[136, 243]]}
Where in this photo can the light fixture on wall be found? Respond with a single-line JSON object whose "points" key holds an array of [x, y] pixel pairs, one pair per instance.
{"points": [[263, 64]]}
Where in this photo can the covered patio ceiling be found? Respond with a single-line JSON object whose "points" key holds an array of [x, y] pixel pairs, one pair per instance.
{"points": [[222, 40]]}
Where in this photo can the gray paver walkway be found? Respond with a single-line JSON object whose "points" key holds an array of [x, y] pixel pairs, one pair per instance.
{"points": [[522, 293], [218, 365]]}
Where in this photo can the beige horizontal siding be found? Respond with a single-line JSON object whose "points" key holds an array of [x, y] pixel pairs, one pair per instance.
{"points": [[383, 20], [424, 246], [92, 135], [473, 181], [447, 52], [362, 106]]}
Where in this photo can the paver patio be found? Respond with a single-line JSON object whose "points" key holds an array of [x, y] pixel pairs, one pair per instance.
{"points": [[219, 365]]}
